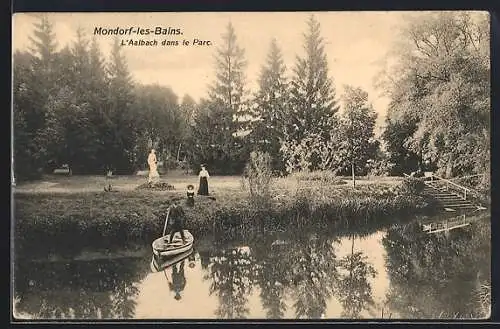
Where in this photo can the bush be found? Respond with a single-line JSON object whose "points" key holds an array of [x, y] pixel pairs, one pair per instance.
{"points": [[380, 167], [412, 186], [258, 175]]}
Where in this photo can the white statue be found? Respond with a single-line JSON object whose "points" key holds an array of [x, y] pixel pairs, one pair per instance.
{"points": [[153, 170]]}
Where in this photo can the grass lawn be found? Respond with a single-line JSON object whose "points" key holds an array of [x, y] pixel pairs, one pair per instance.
{"points": [[217, 184]]}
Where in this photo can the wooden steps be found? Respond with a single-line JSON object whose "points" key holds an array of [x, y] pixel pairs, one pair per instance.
{"points": [[449, 200]]}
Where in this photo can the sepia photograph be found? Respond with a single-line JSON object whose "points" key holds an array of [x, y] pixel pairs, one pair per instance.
{"points": [[251, 165]]}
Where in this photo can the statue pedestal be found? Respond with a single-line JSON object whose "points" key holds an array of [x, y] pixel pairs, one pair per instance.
{"points": [[156, 185]]}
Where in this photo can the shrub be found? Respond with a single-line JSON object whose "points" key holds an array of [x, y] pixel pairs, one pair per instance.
{"points": [[258, 176], [412, 186]]}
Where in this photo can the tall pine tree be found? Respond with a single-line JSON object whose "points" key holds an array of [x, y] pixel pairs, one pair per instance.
{"points": [[226, 110], [43, 85], [121, 130], [271, 106], [312, 97]]}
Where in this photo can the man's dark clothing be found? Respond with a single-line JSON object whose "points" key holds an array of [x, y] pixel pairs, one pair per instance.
{"points": [[176, 219]]}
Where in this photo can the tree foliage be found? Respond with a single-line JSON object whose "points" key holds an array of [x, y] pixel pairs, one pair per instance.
{"points": [[271, 107], [440, 91], [223, 117], [312, 104], [73, 105], [355, 141]]}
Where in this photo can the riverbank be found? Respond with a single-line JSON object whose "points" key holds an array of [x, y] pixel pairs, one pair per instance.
{"points": [[57, 222]]}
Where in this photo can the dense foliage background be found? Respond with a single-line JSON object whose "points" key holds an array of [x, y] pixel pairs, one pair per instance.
{"points": [[77, 107]]}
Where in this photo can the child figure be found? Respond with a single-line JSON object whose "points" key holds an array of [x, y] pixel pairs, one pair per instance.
{"points": [[190, 196]]}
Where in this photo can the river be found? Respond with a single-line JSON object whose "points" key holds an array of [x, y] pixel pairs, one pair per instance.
{"points": [[399, 272]]}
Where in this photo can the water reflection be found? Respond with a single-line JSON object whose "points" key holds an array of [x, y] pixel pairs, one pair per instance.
{"points": [[79, 290], [272, 275], [438, 275], [173, 269], [305, 275], [313, 268], [231, 274], [354, 288]]}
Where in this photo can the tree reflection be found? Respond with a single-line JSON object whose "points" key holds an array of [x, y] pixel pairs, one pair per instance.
{"points": [[353, 288], [313, 270], [272, 275], [231, 273], [300, 267], [437, 275], [80, 290]]}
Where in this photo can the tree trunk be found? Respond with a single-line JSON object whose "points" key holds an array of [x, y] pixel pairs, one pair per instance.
{"points": [[353, 175], [178, 152], [449, 167]]}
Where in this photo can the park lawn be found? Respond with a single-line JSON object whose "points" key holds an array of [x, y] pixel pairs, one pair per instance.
{"points": [[68, 196], [217, 184]]}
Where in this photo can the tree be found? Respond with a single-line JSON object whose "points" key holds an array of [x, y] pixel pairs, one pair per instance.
{"points": [[441, 82], [356, 140], [213, 141], [119, 118], [189, 111], [312, 96], [394, 135], [159, 121], [271, 106], [229, 86], [44, 49], [97, 99], [226, 109], [35, 79], [24, 104]]}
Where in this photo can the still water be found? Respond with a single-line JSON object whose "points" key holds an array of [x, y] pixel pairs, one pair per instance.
{"points": [[398, 272]]}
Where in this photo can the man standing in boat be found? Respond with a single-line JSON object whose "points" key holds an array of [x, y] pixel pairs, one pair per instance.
{"points": [[176, 219]]}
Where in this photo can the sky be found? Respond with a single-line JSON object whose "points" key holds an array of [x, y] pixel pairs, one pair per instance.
{"points": [[355, 44]]}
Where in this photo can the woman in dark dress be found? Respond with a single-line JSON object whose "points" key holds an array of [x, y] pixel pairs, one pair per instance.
{"points": [[204, 175]]}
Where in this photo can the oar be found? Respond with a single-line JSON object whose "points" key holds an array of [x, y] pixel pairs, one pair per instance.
{"points": [[166, 222]]}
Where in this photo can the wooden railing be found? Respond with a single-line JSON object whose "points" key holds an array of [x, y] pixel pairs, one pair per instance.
{"points": [[463, 191], [448, 224]]}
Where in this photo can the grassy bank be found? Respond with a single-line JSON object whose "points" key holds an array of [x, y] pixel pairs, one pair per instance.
{"points": [[67, 222]]}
